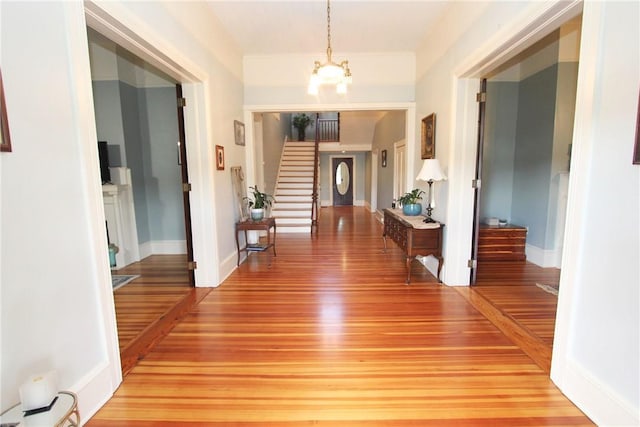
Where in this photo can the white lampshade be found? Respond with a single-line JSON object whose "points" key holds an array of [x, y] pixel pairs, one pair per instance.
{"points": [[431, 171]]}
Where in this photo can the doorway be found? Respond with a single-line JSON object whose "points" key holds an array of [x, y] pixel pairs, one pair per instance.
{"points": [[143, 123], [525, 131], [342, 172], [399, 169]]}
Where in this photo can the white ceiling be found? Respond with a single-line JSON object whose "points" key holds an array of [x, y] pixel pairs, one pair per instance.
{"points": [[300, 26]]}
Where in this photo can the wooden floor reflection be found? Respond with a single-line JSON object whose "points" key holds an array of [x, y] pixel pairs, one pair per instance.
{"points": [[327, 333]]}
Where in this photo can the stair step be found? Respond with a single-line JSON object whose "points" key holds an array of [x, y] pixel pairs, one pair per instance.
{"points": [[306, 163], [296, 174], [294, 198], [292, 185], [291, 213], [292, 205], [292, 221], [296, 179], [299, 144], [292, 192], [290, 168]]}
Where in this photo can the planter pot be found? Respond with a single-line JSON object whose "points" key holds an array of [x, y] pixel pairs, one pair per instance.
{"points": [[257, 214], [412, 210]]}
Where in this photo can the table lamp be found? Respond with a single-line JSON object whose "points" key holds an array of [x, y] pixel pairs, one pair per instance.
{"points": [[430, 172]]}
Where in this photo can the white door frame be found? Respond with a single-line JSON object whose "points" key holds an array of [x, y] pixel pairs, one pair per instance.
{"points": [[374, 181], [401, 183]]}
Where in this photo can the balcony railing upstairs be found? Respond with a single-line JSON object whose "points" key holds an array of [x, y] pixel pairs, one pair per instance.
{"points": [[328, 130]]}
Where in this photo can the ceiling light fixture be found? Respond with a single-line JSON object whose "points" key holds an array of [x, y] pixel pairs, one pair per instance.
{"points": [[330, 73]]}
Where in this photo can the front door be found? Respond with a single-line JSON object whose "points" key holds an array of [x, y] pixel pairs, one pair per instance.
{"points": [[342, 168]]}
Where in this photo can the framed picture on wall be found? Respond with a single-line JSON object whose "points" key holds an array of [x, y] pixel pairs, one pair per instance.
{"points": [[238, 130], [636, 148], [428, 146], [219, 157], [5, 142], [384, 158]]}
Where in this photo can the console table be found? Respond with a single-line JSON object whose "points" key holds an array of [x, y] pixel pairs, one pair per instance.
{"points": [[414, 237], [265, 224], [63, 413]]}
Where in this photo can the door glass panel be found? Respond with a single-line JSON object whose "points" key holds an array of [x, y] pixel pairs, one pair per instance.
{"points": [[342, 178]]}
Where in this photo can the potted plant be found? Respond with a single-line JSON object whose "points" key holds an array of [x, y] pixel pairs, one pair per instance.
{"points": [[410, 202], [258, 203], [301, 122]]}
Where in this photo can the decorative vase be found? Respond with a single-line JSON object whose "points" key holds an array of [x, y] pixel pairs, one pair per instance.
{"points": [[413, 209], [257, 214]]}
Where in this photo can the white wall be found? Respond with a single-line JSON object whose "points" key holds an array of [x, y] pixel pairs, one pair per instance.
{"points": [[283, 79], [54, 280], [56, 299], [597, 338], [597, 345]]}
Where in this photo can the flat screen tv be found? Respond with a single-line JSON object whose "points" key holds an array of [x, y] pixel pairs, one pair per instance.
{"points": [[103, 153]]}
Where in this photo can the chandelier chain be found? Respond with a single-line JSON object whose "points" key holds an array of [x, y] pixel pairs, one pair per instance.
{"points": [[328, 26]]}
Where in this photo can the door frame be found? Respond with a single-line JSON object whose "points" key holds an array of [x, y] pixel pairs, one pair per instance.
{"points": [[397, 172], [373, 206], [351, 177], [199, 151]]}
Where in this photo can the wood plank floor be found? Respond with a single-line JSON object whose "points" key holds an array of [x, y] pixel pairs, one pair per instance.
{"points": [[511, 288], [149, 306], [326, 333]]}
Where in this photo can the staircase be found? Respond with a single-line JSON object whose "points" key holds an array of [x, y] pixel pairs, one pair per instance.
{"points": [[294, 188]]}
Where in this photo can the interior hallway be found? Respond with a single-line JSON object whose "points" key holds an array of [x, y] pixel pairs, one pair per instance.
{"points": [[328, 333]]}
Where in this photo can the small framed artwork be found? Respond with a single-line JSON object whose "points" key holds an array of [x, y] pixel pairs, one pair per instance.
{"points": [[428, 146], [5, 141], [384, 158], [238, 130], [636, 148], [220, 157]]}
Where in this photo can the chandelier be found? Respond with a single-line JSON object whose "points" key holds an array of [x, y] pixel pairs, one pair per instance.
{"points": [[330, 73]]}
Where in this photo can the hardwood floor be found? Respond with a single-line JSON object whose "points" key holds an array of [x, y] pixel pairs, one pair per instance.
{"points": [[149, 306], [327, 333]]}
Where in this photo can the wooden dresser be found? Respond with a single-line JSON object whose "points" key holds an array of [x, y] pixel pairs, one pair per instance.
{"points": [[413, 236], [502, 243]]}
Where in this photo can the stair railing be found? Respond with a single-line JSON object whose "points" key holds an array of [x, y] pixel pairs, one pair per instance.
{"points": [[316, 161]]}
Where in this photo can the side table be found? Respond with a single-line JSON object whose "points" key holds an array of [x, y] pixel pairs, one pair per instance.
{"points": [[63, 413], [265, 224]]}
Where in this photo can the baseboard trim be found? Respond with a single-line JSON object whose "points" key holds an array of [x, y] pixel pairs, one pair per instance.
{"points": [[94, 390], [544, 258], [162, 247], [597, 401]]}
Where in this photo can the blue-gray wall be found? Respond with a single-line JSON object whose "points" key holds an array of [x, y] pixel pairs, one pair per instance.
{"points": [[162, 176], [144, 121], [499, 149], [389, 129], [533, 154], [529, 127]]}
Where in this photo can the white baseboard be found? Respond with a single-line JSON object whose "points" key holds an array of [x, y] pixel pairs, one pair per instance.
{"points": [[542, 257], [94, 390], [163, 247], [328, 203], [228, 265], [597, 401]]}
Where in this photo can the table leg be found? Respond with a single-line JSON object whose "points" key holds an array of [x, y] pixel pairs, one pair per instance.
{"points": [[440, 259], [238, 246], [274, 238], [409, 259]]}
